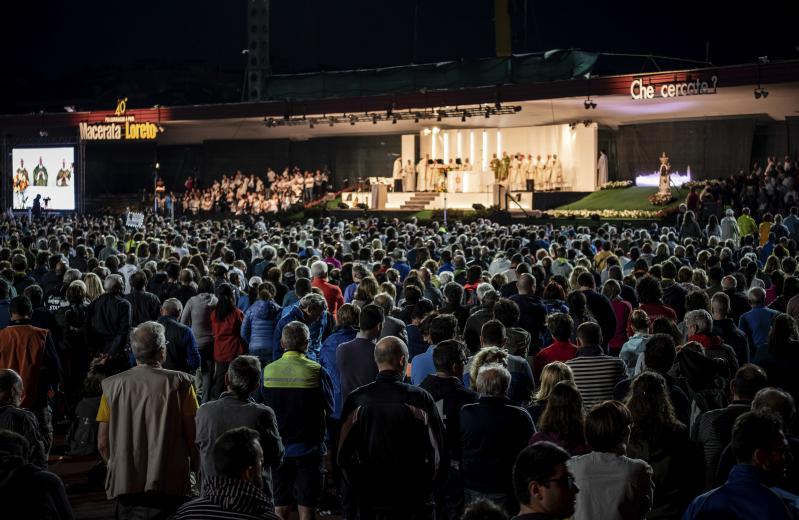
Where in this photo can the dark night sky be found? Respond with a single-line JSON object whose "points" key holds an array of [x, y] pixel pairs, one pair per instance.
{"points": [[53, 40]]}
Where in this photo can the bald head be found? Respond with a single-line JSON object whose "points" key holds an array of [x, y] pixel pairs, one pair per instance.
{"points": [[526, 284], [10, 387], [391, 353]]}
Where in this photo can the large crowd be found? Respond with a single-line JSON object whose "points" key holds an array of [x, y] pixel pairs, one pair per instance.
{"points": [[241, 194], [399, 370]]}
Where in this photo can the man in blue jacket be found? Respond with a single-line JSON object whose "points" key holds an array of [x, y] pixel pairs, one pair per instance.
{"points": [[760, 448], [757, 322], [312, 311], [181, 347], [299, 390]]}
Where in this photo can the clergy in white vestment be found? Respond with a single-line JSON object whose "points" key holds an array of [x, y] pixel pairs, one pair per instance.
{"points": [[602, 169]]}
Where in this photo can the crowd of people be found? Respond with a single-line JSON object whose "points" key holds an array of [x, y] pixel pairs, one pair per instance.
{"points": [[241, 194], [399, 370]]}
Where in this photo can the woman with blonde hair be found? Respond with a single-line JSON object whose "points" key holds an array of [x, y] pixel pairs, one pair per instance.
{"points": [[563, 419], [390, 289], [552, 374], [366, 292], [287, 268], [485, 356], [94, 286], [575, 274]]}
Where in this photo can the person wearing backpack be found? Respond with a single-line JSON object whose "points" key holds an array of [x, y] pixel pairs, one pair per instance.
{"points": [[713, 429]]}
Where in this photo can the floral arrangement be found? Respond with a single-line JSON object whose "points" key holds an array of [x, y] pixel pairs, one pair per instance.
{"points": [[616, 185], [661, 199], [699, 185], [21, 184], [606, 213]]}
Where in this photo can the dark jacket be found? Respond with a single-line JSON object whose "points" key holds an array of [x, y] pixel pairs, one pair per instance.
{"points": [[713, 431], [24, 423], [674, 297], [739, 304], [450, 396], [145, 306], [493, 432], [602, 311], [300, 392], [460, 312], [21, 281], [392, 448], [679, 401], [782, 366], [734, 337], [394, 327], [181, 348], [109, 324], [677, 466], [229, 411], [183, 293], [533, 317], [744, 495], [474, 325], [28, 492]]}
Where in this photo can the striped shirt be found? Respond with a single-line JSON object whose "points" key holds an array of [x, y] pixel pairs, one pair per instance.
{"points": [[228, 499], [595, 374]]}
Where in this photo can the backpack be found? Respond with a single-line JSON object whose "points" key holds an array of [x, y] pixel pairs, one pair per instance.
{"points": [[703, 381], [82, 435]]}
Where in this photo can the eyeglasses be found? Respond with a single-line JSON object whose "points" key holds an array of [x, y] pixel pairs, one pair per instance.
{"points": [[566, 480]]}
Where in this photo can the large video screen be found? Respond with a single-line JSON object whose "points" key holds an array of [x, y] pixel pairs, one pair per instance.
{"points": [[49, 172]]}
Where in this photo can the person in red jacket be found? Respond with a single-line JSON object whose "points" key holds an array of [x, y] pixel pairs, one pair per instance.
{"points": [[226, 320], [650, 298], [560, 325], [331, 292]]}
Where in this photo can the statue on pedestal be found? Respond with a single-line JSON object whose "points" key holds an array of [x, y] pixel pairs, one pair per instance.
{"points": [[665, 170]]}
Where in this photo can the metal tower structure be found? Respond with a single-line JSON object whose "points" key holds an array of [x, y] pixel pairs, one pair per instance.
{"points": [[258, 66]]}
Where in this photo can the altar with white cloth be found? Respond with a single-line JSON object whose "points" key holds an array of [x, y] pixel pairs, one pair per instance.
{"points": [[466, 181]]}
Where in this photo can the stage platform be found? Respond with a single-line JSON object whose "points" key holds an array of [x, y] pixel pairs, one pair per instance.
{"points": [[418, 201]]}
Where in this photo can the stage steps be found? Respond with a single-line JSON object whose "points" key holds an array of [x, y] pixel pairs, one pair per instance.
{"points": [[419, 201]]}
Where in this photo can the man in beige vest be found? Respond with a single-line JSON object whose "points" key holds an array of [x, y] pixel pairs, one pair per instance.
{"points": [[147, 431]]}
